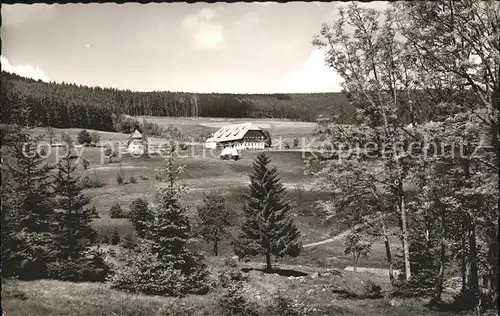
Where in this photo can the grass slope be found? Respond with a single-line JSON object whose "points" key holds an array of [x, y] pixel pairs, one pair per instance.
{"points": [[322, 292]]}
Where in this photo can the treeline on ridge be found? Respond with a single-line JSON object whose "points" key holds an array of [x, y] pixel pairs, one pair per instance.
{"points": [[29, 102], [37, 103]]}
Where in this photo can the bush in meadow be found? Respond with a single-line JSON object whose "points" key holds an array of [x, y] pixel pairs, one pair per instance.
{"points": [[116, 211]]}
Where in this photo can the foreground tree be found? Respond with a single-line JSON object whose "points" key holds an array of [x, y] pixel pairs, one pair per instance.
{"points": [[356, 247], [75, 237], [165, 266], [76, 234], [377, 75], [457, 46], [439, 58], [214, 218], [268, 227], [28, 217]]}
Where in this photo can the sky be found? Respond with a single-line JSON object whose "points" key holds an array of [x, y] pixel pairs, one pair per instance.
{"points": [[201, 47]]}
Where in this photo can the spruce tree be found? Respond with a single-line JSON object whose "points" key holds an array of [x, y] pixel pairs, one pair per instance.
{"points": [[170, 228], [268, 228], [27, 212], [164, 265], [74, 229], [32, 195], [76, 261]]}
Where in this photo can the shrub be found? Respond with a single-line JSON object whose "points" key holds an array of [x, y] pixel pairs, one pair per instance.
{"points": [[179, 308], [94, 213], [128, 242], [91, 268], [111, 153], [105, 239], [183, 146], [65, 138], [119, 178], [268, 140], [115, 238], [84, 137], [116, 211], [230, 262], [229, 276], [146, 274], [296, 143], [85, 163], [10, 289], [372, 290], [403, 288], [133, 179], [281, 305], [88, 182], [95, 137], [231, 301], [299, 193]]}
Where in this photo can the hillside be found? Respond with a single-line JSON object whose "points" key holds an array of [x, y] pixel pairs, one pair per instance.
{"points": [[37, 103]]}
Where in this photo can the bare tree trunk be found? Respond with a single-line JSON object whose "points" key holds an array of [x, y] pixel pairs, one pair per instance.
{"points": [[387, 251], [216, 248], [463, 261], [473, 272], [404, 231], [442, 256], [493, 248], [493, 260], [268, 262]]}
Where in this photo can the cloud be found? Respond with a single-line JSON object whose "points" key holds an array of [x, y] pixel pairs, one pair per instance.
{"points": [[16, 14], [206, 32], [313, 76], [247, 21], [26, 70]]}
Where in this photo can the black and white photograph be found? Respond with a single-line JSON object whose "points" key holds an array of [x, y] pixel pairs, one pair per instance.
{"points": [[250, 158]]}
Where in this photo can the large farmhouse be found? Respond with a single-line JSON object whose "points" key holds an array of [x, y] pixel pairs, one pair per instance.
{"points": [[239, 136]]}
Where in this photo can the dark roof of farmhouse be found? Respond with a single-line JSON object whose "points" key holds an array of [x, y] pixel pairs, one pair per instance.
{"points": [[233, 132]]}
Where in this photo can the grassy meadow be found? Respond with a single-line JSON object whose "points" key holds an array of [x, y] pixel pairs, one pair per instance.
{"points": [[194, 126], [321, 292], [203, 172]]}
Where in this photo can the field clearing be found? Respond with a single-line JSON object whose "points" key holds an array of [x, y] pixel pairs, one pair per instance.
{"points": [[112, 137], [194, 126], [204, 172]]}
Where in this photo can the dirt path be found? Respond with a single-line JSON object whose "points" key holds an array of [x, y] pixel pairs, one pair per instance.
{"points": [[339, 236], [332, 239]]}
